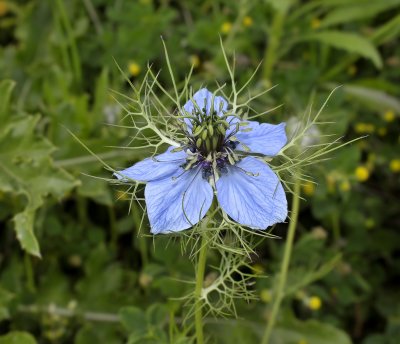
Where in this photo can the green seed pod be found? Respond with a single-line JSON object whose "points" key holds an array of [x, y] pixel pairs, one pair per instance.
{"points": [[221, 129], [177, 149], [204, 134], [199, 142], [226, 124], [214, 143], [210, 130], [208, 145], [197, 131]]}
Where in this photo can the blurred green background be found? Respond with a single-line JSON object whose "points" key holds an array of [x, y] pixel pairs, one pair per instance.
{"points": [[72, 266]]}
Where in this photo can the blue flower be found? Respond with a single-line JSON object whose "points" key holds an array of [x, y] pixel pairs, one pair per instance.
{"points": [[220, 153]]}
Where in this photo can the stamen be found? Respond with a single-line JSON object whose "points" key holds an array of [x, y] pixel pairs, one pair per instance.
{"points": [[251, 174]]}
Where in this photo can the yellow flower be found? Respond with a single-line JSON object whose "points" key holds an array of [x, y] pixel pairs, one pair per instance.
{"points": [[382, 131], [308, 188], [361, 173], [345, 186], [265, 295], [364, 128], [226, 27], [302, 341], [389, 116], [134, 68], [314, 303], [315, 23], [395, 165], [3, 8], [194, 61], [247, 21]]}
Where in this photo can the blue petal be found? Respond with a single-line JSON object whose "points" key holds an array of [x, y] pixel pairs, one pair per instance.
{"points": [[160, 166], [264, 138], [179, 202], [203, 99], [255, 201]]}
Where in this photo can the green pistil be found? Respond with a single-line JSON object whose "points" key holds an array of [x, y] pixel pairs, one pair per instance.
{"points": [[209, 132]]}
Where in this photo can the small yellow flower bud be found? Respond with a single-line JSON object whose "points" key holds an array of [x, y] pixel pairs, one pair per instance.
{"points": [[361, 173], [315, 23], [364, 128], [194, 61], [395, 165], [345, 186], [314, 303], [134, 68], [247, 21], [389, 116], [226, 27], [308, 188], [265, 296]]}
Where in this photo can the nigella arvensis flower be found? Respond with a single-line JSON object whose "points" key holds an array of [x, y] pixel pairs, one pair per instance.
{"points": [[222, 153]]}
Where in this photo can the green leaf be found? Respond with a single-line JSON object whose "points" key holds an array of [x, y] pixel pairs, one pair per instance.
{"points": [[134, 320], [373, 98], [26, 169], [23, 223], [350, 42], [17, 338], [5, 298], [351, 12], [6, 87], [311, 331]]}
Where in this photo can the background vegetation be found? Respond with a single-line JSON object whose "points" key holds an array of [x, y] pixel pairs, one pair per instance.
{"points": [[72, 266]]}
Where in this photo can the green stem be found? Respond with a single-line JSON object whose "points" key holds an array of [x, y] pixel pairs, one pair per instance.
{"points": [[201, 267], [76, 64], [113, 228], [278, 297], [273, 43], [30, 281], [142, 240]]}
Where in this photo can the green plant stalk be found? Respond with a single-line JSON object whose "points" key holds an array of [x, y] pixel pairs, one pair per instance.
{"points": [[201, 267], [76, 64], [280, 291], [271, 51], [30, 281], [142, 241], [113, 228]]}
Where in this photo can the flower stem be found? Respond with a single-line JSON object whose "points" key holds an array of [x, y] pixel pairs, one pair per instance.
{"points": [[201, 267], [280, 291], [273, 45], [76, 64]]}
